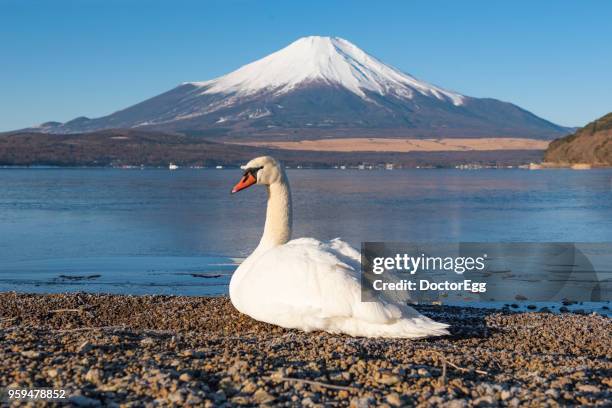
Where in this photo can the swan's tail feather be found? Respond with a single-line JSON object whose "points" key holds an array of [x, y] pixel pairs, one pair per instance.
{"points": [[407, 328], [428, 328], [414, 329], [378, 319]]}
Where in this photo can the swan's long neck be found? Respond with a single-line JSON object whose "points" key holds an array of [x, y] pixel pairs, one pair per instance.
{"points": [[277, 230]]}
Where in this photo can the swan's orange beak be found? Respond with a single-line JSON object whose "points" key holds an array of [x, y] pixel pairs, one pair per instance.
{"points": [[246, 181]]}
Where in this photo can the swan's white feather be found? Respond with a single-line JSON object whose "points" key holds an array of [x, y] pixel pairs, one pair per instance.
{"points": [[313, 285]]}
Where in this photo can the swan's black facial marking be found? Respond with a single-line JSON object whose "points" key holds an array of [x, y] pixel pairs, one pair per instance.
{"points": [[252, 171]]}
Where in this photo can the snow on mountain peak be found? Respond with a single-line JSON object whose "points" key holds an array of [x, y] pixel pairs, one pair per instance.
{"points": [[331, 60]]}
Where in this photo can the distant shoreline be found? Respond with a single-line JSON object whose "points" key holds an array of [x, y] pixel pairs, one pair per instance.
{"points": [[380, 166], [118, 148]]}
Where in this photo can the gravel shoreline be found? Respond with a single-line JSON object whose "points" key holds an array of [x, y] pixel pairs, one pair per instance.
{"points": [[110, 350]]}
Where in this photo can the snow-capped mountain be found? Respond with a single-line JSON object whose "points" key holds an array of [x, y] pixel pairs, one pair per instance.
{"points": [[319, 87], [333, 61]]}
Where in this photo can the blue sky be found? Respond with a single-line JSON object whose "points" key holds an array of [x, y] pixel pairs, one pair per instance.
{"points": [[62, 59]]}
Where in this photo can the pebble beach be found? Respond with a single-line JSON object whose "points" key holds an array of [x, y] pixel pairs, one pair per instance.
{"points": [[111, 350]]}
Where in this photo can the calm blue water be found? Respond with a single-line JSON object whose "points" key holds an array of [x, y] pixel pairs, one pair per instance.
{"points": [[156, 231]]}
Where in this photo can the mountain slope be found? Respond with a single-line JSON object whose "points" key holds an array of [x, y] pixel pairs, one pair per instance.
{"points": [[591, 145], [319, 87]]}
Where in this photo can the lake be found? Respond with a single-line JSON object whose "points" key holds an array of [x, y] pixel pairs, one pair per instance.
{"points": [[181, 232]]}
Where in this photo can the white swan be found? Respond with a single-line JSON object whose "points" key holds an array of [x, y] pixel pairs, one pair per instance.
{"points": [[308, 284]]}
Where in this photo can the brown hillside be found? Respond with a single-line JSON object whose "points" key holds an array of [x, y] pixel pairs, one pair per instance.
{"points": [[592, 145]]}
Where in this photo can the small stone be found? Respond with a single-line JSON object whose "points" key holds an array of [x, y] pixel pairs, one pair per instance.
{"points": [[551, 392], [176, 397], [485, 389], [435, 401], [422, 372], [306, 402], [343, 394], [388, 379], [249, 387], [240, 400], [219, 396], [394, 399], [588, 388], [33, 354], [193, 400], [54, 372], [261, 396], [505, 394], [147, 341], [279, 374], [514, 402], [185, 377], [340, 376], [364, 402], [456, 403], [94, 375], [483, 401]]}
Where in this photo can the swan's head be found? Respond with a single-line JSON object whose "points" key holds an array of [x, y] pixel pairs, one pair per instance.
{"points": [[264, 170]]}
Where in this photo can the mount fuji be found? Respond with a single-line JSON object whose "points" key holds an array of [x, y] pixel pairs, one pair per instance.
{"points": [[319, 87]]}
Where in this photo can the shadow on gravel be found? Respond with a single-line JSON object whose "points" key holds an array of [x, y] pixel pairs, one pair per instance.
{"points": [[465, 323]]}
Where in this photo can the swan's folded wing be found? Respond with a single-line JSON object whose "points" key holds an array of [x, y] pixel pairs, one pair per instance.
{"points": [[352, 256], [309, 278]]}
